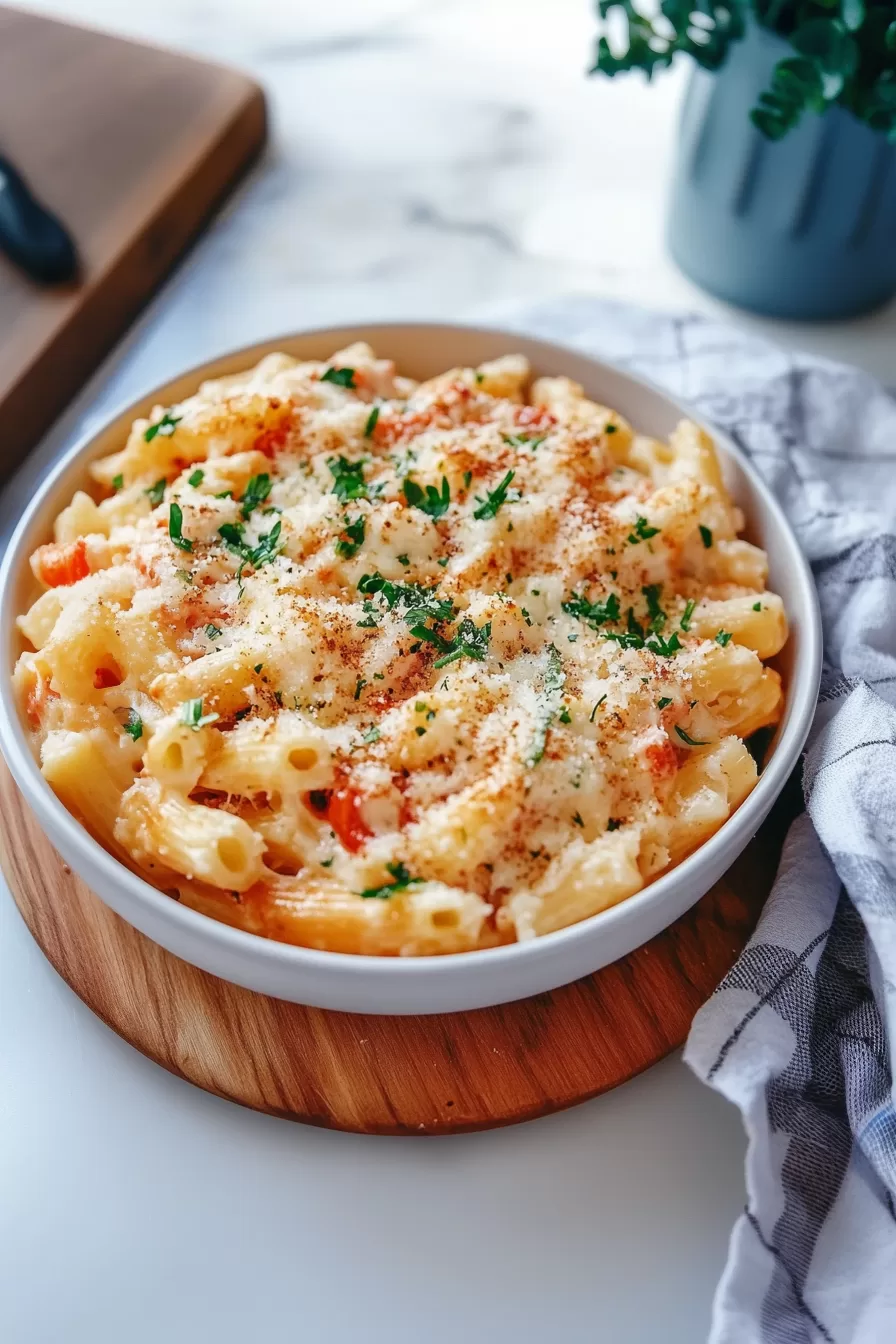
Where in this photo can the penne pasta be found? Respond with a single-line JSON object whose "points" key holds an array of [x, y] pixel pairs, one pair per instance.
{"points": [[396, 668]]}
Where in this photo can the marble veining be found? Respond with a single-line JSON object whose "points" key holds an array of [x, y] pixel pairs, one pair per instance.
{"points": [[428, 158]]}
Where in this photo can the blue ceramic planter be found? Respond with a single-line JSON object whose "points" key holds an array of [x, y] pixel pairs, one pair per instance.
{"points": [[802, 228]]}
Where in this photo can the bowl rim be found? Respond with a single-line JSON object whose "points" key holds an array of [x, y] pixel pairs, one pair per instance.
{"points": [[734, 833]]}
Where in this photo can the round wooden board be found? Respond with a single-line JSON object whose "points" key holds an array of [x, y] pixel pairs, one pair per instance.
{"points": [[383, 1075]]}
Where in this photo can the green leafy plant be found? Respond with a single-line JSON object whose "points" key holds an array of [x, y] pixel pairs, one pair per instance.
{"points": [[844, 51]]}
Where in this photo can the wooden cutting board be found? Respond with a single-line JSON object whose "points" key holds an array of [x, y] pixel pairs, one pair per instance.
{"points": [[134, 148], [442, 1074]]}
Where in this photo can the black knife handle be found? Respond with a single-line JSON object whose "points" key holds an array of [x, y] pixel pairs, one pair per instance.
{"points": [[30, 235]]}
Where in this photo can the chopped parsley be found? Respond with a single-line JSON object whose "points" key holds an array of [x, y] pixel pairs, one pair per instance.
{"points": [[642, 531], [256, 492], [489, 506], [402, 880], [470, 641], [213, 631], [341, 377], [610, 429], [554, 681], [417, 604], [577, 819], [691, 741], [266, 550], [352, 538], [757, 606], [686, 615], [634, 638], [164, 427], [359, 686], [348, 479], [175, 528], [723, 637], [117, 482], [431, 501], [706, 536], [596, 708], [191, 714], [372, 735], [404, 560], [663, 702], [224, 494], [593, 613], [613, 824], [657, 616], [184, 575], [524, 440], [258, 667], [196, 477], [156, 493], [371, 422], [133, 725]]}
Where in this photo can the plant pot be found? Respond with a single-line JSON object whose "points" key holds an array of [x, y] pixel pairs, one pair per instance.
{"points": [[804, 227]]}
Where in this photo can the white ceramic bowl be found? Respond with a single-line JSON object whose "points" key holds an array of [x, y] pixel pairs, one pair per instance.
{"points": [[471, 979]]}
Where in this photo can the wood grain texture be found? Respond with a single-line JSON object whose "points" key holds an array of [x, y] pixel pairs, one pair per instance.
{"points": [[133, 147], [384, 1075]]}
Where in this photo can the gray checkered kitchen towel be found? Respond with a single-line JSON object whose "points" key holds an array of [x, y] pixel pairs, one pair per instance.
{"points": [[799, 1035]]}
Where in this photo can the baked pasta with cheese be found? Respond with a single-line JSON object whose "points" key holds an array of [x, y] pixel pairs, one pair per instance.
{"points": [[383, 667]]}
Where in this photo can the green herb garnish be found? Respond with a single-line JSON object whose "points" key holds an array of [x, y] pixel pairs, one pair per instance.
{"points": [[371, 422], [402, 880], [417, 603], [164, 427], [470, 641], [654, 610], [341, 377], [686, 615], [593, 613], [757, 606], [213, 631], [723, 637], [352, 539], [692, 742], [117, 482], [706, 536], [348, 479], [489, 506], [156, 493], [524, 440], [430, 501], [596, 708], [191, 714], [133, 725], [266, 550], [642, 531], [663, 702], [196, 477], [175, 528], [256, 492], [554, 681]]}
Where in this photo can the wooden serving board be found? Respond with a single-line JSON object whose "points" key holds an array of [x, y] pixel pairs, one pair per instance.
{"points": [[133, 147], [385, 1075]]}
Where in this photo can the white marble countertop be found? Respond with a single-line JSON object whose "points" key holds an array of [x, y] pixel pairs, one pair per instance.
{"points": [[426, 159]]}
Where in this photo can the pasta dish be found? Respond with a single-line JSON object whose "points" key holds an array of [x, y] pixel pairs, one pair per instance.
{"points": [[374, 666]]}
